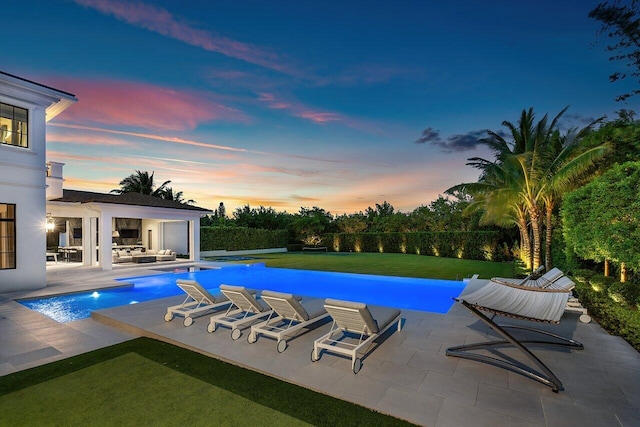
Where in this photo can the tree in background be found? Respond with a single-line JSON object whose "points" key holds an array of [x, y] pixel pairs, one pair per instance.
{"points": [[621, 24], [310, 224], [601, 220], [167, 193], [141, 182], [353, 223], [265, 218], [530, 173]]}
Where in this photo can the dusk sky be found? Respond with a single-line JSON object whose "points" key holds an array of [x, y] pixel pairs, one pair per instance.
{"points": [[291, 104]]}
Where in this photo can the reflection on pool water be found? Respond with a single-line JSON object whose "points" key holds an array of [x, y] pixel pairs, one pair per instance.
{"points": [[431, 295]]}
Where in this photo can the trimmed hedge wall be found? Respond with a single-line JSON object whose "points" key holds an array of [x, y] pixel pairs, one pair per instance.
{"points": [[618, 319], [476, 245], [241, 238]]}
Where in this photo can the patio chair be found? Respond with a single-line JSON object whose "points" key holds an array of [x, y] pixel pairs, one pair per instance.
{"points": [[198, 301], [523, 302], [289, 315], [354, 320], [535, 279], [244, 310]]}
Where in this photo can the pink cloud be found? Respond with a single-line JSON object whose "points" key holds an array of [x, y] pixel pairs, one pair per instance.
{"points": [[272, 102], [161, 21], [141, 105], [87, 139], [317, 117], [298, 110], [155, 137]]}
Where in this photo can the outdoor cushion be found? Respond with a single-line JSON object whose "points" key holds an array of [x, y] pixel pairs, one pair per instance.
{"points": [[293, 300]]}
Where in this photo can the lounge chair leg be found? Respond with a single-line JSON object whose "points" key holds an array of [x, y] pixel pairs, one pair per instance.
{"points": [[548, 378]]}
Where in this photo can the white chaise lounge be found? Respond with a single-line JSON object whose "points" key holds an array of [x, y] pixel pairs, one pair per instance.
{"points": [[289, 315], [352, 320], [198, 302], [243, 311]]}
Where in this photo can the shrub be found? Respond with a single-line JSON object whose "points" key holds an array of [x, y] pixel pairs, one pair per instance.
{"points": [[615, 318], [241, 238], [477, 245], [601, 283], [624, 293], [583, 274]]}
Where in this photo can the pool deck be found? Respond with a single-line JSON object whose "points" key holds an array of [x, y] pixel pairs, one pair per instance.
{"points": [[407, 374]]}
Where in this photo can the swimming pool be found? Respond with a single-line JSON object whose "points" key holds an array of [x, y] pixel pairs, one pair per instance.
{"points": [[400, 292]]}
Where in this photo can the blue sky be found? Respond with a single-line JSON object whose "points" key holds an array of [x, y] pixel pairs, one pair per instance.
{"points": [[293, 104]]}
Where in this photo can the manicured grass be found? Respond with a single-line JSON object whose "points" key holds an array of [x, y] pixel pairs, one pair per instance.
{"points": [[147, 382], [391, 265]]}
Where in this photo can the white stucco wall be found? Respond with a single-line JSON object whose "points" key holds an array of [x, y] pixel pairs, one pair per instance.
{"points": [[22, 180], [176, 237]]}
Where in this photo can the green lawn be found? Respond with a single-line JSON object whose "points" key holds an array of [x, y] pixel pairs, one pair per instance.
{"points": [[391, 265], [147, 382]]}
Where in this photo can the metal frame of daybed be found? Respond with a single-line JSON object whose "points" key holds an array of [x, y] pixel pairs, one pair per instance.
{"points": [[546, 377]]}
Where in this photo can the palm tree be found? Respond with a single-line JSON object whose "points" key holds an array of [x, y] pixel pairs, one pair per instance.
{"points": [[497, 195], [178, 196], [528, 176], [567, 162], [140, 182]]}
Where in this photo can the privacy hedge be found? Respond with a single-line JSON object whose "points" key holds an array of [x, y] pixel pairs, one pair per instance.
{"points": [[475, 245], [241, 238], [618, 319]]}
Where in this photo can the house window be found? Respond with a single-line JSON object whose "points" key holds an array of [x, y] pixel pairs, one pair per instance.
{"points": [[13, 125], [7, 236]]}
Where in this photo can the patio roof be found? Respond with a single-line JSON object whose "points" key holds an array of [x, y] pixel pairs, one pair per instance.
{"points": [[132, 199]]}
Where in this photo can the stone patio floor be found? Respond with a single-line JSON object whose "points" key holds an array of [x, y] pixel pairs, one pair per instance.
{"points": [[406, 374]]}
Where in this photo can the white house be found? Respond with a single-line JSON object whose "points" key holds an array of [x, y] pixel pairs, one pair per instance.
{"points": [[25, 107], [34, 207]]}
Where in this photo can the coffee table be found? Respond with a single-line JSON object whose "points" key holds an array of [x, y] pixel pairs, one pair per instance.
{"points": [[143, 258]]}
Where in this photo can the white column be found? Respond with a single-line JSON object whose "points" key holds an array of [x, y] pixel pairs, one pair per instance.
{"points": [[88, 241], [104, 241], [194, 240]]}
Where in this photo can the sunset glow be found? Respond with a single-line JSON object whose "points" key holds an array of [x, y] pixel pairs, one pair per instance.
{"points": [[339, 105]]}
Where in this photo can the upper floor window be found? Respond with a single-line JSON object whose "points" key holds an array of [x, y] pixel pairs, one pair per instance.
{"points": [[7, 236], [13, 125]]}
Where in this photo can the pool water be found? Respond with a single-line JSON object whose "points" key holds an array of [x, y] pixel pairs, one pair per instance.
{"points": [[431, 295]]}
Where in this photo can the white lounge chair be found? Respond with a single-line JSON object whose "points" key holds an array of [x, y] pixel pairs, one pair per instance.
{"points": [[198, 301], [351, 319], [524, 302], [244, 310], [288, 316], [547, 280]]}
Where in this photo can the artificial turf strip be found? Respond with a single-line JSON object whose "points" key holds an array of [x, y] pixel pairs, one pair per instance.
{"points": [[294, 401], [117, 392], [403, 265]]}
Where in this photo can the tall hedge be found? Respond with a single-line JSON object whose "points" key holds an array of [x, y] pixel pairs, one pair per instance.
{"points": [[241, 238], [477, 245]]}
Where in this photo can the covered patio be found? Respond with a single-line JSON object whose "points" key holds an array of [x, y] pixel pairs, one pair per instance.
{"points": [[137, 227]]}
